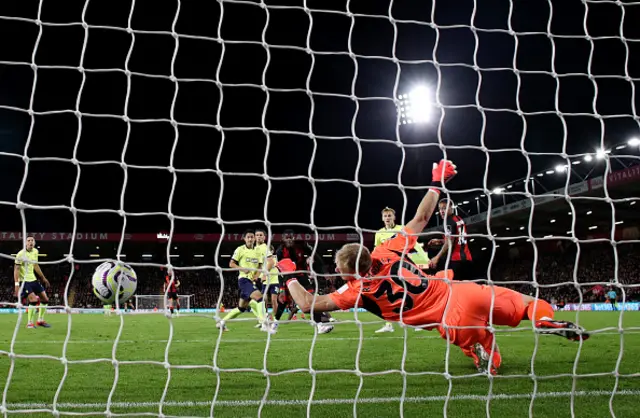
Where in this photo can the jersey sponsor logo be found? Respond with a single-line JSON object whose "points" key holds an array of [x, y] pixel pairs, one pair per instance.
{"points": [[343, 289]]}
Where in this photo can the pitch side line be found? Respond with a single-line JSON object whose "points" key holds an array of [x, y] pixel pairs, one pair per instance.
{"points": [[338, 401], [273, 339]]}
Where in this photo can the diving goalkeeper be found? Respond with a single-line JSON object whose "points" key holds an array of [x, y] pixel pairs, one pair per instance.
{"points": [[389, 285]]}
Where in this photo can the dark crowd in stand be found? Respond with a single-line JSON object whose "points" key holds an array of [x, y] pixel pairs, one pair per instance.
{"points": [[557, 268]]}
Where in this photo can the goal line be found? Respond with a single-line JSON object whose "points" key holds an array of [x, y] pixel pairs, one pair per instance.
{"points": [[334, 401]]}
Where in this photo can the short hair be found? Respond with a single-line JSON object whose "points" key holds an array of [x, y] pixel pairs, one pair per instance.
{"points": [[260, 230], [247, 231], [447, 202], [349, 253], [31, 236], [288, 232], [388, 209]]}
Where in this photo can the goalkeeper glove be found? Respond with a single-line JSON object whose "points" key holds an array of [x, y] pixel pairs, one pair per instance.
{"points": [[442, 172]]}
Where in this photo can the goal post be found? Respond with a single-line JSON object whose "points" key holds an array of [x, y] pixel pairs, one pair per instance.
{"points": [[150, 302]]}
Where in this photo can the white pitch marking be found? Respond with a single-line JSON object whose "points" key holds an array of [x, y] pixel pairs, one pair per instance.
{"points": [[273, 339], [336, 401]]}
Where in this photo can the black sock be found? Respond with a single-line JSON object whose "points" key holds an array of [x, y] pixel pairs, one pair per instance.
{"points": [[280, 310], [171, 309], [320, 317]]}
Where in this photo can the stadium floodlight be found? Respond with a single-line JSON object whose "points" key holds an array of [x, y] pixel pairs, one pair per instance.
{"points": [[576, 162], [634, 142], [619, 222], [549, 172], [589, 212], [588, 158], [498, 190], [560, 168], [601, 153], [593, 227], [415, 106], [552, 221]]}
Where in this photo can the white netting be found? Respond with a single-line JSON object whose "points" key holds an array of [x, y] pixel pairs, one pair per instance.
{"points": [[516, 89], [157, 301]]}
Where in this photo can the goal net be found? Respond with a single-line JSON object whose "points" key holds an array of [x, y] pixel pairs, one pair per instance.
{"points": [[151, 302], [156, 132]]}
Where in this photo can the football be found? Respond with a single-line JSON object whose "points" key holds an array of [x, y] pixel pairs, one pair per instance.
{"points": [[111, 278]]}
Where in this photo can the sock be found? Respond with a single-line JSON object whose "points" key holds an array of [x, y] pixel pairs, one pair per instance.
{"points": [[280, 310], [543, 309], [233, 313], [260, 310], [171, 309], [254, 308], [41, 311], [178, 307], [31, 313], [319, 317]]}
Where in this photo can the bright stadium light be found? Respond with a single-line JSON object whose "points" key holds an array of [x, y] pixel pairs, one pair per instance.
{"points": [[498, 190], [601, 153], [561, 168], [415, 107], [634, 142], [588, 158]]}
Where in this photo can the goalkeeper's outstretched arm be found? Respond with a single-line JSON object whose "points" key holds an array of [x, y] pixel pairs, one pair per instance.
{"points": [[441, 173], [304, 299]]}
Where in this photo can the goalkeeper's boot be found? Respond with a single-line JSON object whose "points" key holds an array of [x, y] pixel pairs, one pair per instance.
{"points": [[43, 323], [388, 327], [481, 359], [565, 329]]}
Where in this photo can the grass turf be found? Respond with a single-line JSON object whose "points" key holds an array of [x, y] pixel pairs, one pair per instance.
{"points": [[385, 366]]}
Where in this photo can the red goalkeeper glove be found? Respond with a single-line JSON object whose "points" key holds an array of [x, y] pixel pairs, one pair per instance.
{"points": [[443, 172]]}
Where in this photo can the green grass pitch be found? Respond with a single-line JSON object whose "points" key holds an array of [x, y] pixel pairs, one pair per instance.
{"points": [[386, 366]]}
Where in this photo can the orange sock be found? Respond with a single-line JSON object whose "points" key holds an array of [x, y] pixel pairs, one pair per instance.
{"points": [[543, 309]]}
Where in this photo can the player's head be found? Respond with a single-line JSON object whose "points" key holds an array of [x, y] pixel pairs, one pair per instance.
{"points": [[261, 236], [389, 217], [348, 256], [445, 207], [31, 242], [288, 237], [249, 238]]}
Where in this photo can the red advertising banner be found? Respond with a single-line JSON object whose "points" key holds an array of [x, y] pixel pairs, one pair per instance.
{"points": [[616, 178], [164, 237]]}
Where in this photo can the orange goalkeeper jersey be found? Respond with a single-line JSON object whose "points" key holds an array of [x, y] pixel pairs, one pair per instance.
{"points": [[396, 289]]}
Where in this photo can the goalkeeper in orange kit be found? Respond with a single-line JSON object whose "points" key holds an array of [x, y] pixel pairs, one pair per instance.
{"points": [[387, 284]]}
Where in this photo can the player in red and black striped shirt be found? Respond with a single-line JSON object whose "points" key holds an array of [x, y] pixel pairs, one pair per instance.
{"points": [[455, 242], [172, 291]]}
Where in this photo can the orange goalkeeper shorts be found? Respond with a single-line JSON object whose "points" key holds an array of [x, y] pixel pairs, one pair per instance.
{"points": [[470, 306]]}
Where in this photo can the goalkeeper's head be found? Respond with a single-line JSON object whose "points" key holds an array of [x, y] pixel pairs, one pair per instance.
{"points": [[350, 256]]}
